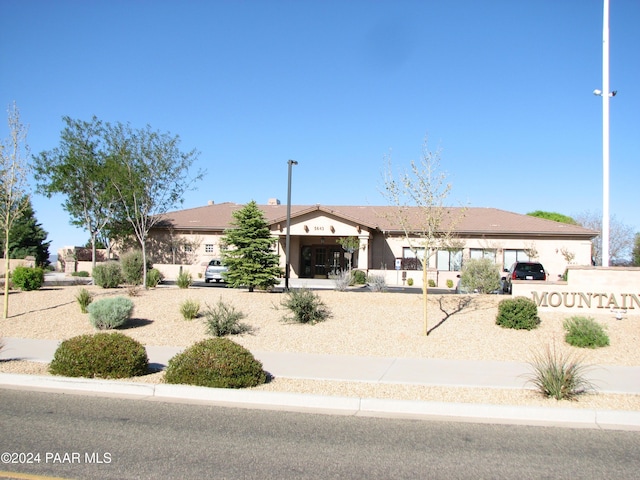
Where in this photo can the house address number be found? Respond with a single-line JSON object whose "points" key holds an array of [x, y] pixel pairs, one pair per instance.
{"points": [[318, 228]]}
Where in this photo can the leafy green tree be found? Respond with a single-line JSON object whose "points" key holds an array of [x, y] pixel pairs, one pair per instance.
{"points": [[150, 174], [635, 256], [556, 217], [251, 260], [14, 152], [28, 238], [77, 170], [349, 245]]}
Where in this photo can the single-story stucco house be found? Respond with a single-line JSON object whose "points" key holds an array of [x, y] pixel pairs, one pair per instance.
{"points": [[191, 237]]}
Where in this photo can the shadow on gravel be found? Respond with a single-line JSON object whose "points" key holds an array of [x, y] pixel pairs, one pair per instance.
{"points": [[135, 323], [453, 305]]}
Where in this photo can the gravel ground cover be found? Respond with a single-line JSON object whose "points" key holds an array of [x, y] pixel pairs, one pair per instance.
{"points": [[361, 323]]}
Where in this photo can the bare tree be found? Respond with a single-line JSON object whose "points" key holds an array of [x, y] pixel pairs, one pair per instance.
{"points": [[14, 199], [621, 237], [423, 186]]}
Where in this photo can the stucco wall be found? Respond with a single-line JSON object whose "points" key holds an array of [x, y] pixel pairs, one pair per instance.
{"points": [[587, 290]]}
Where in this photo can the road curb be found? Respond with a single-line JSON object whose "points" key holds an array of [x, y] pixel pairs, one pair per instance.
{"points": [[369, 407]]}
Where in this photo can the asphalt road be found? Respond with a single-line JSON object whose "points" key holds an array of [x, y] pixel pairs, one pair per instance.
{"points": [[76, 436]]}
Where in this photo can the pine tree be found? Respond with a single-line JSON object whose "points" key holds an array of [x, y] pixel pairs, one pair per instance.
{"points": [[27, 237], [248, 253]]}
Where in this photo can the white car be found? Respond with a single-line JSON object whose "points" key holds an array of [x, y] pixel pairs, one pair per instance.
{"points": [[215, 271]]}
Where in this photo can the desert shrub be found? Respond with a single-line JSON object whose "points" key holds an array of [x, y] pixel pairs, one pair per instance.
{"points": [[109, 313], [342, 281], [377, 283], [449, 283], [154, 277], [189, 309], [481, 275], [431, 282], [184, 280], [27, 278], [223, 319], [216, 363], [108, 275], [585, 333], [519, 313], [84, 298], [102, 355], [133, 267], [133, 290], [559, 376], [305, 306], [410, 282], [358, 277], [81, 273]]}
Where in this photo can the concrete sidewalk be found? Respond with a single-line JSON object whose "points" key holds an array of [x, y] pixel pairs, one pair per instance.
{"points": [[432, 372]]}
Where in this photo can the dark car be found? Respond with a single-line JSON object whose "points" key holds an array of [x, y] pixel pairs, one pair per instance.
{"points": [[523, 271]]}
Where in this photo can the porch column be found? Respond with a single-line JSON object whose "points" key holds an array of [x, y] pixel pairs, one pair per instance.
{"points": [[363, 252]]}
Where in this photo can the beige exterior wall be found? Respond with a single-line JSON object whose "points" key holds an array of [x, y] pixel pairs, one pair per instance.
{"points": [[549, 253], [13, 263], [377, 252]]}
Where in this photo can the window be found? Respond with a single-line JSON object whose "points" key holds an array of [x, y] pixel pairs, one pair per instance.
{"points": [[449, 260], [208, 248], [412, 258], [187, 248], [513, 256], [483, 253]]}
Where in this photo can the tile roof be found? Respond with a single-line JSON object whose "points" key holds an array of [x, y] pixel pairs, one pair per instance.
{"points": [[473, 221]]}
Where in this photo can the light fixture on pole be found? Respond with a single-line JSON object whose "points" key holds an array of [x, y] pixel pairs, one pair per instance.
{"points": [[287, 267]]}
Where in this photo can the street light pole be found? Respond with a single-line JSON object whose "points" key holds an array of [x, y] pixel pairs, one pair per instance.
{"points": [[605, 135], [287, 268]]}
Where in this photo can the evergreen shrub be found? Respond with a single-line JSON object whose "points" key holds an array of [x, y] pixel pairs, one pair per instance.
{"points": [[109, 313], [377, 283], [224, 319], [108, 275], [480, 275], [431, 282], [305, 305], [215, 363], [154, 278], [519, 313], [101, 355], [132, 266], [358, 277], [449, 283], [27, 278], [410, 281], [585, 333], [81, 273]]}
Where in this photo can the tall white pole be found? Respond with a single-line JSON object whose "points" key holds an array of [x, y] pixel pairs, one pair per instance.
{"points": [[605, 135]]}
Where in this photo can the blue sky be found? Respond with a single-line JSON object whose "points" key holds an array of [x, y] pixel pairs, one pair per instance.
{"points": [[503, 87]]}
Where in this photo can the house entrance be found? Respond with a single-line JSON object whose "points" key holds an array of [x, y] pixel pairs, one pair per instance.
{"points": [[320, 261]]}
